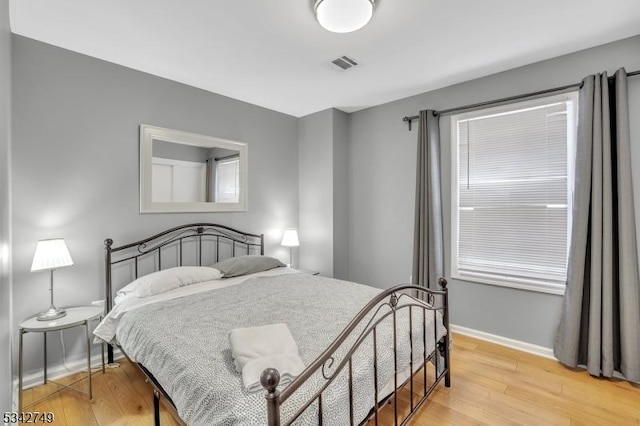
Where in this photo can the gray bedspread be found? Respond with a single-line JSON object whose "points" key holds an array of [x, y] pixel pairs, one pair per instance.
{"points": [[184, 343]]}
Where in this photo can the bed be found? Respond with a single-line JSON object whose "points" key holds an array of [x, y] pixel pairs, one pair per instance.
{"points": [[360, 345]]}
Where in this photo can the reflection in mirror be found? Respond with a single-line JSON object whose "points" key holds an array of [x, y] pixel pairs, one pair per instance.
{"points": [[188, 172], [192, 174]]}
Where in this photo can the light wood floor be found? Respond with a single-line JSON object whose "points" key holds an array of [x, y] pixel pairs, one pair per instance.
{"points": [[490, 385]]}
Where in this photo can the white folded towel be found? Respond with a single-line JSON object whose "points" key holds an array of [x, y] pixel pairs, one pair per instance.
{"points": [[257, 348], [288, 365]]}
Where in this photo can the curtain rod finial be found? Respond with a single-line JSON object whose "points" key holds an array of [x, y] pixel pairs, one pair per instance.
{"points": [[408, 119]]}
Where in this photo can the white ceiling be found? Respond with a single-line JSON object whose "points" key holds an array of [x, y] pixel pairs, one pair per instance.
{"points": [[274, 54]]}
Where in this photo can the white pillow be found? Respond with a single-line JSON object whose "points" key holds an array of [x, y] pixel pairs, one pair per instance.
{"points": [[167, 279]]}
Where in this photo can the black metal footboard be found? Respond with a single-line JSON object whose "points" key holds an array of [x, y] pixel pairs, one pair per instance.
{"points": [[387, 304]]}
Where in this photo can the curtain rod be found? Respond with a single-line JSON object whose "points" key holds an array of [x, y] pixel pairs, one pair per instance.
{"points": [[227, 157], [510, 98]]}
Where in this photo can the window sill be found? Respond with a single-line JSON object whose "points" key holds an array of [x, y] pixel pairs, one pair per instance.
{"points": [[536, 287]]}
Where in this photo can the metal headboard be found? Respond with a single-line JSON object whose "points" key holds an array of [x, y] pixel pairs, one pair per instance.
{"points": [[238, 242]]}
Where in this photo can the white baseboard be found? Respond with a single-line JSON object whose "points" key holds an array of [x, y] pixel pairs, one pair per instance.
{"points": [[59, 371], [504, 341]]}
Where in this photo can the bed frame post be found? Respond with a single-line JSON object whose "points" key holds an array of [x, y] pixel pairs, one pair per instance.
{"points": [[156, 408], [270, 378], [109, 296], [447, 339]]}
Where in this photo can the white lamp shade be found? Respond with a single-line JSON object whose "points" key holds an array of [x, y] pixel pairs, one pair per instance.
{"points": [[51, 254], [290, 238], [343, 16]]}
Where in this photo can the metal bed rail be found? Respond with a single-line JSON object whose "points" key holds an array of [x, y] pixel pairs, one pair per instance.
{"points": [[385, 305]]}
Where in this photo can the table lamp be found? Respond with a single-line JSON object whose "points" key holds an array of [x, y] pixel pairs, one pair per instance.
{"points": [[51, 255], [290, 239]]}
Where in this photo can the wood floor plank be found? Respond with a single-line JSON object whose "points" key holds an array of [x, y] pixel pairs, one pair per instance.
{"points": [[472, 407], [503, 363], [460, 341], [594, 395], [77, 411], [145, 392], [506, 401], [491, 385], [440, 415], [553, 371], [51, 404], [122, 392], [27, 398], [104, 405], [593, 414], [504, 376], [494, 402]]}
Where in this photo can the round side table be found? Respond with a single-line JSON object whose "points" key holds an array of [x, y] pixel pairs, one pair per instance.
{"points": [[76, 316]]}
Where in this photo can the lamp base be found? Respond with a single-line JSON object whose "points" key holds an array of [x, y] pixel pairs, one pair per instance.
{"points": [[51, 314]]}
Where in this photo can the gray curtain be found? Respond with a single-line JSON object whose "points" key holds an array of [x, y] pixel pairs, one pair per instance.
{"points": [[600, 323], [428, 250]]}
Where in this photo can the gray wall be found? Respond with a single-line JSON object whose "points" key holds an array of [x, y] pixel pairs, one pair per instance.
{"points": [[340, 194], [324, 193], [75, 168], [6, 326], [315, 162], [382, 181]]}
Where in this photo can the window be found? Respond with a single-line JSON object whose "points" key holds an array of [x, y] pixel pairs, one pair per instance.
{"points": [[512, 170], [228, 180]]}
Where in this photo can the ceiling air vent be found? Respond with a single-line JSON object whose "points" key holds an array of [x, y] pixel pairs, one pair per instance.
{"points": [[344, 62]]}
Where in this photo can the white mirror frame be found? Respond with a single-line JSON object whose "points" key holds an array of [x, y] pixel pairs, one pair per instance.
{"points": [[150, 133]]}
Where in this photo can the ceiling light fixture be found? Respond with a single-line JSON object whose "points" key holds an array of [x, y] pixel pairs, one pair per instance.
{"points": [[343, 16]]}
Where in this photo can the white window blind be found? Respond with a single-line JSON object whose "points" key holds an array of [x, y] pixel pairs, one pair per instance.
{"points": [[228, 180], [512, 180]]}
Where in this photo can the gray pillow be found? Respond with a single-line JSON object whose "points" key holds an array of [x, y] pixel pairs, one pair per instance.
{"points": [[242, 265]]}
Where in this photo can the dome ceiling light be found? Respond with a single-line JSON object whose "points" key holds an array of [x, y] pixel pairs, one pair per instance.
{"points": [[343, 16]]}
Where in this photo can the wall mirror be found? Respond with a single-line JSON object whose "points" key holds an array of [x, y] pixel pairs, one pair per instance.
{"points": [[187, 172]]}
